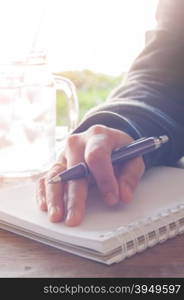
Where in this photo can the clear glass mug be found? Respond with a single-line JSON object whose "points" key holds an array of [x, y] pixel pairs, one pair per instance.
{"points": [[28, 116]]}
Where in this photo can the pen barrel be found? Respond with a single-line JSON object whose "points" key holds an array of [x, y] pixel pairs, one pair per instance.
{"points": [[76, 172], [135, 149]]}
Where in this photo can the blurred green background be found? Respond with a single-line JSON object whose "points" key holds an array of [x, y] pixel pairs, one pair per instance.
{"points": [[92, 89]]}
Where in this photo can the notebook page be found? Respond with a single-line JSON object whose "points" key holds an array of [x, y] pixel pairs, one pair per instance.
{"points": [[161, 188]]}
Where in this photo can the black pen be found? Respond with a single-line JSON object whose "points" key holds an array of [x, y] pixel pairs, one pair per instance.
{"points": [[134, 149]]}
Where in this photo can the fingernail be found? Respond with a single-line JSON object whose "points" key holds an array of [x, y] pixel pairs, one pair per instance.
{"points": [[72, 218], [111, 199], [70, 215], [42, 203], [54, 213]]}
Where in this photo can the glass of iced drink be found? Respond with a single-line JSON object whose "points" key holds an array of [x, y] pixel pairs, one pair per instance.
{"points": [[28, 116]]}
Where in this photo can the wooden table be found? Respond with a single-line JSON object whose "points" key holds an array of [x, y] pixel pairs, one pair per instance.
{"points": [[21, 257]]}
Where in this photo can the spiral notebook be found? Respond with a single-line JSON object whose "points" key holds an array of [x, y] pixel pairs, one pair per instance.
{"points": [[107, 235]]}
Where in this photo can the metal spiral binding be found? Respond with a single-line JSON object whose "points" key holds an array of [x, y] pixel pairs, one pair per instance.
{"points": [[150, 231]]}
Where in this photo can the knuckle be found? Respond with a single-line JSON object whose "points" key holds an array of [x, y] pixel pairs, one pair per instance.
{"points": [[97, 129], [72, 141]]}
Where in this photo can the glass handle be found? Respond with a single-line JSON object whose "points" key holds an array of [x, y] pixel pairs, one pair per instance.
{"points": [[65, 85]]}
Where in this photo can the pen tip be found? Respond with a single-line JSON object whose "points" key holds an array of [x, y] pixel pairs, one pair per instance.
{"points": [[50, 181], [53, 179]]}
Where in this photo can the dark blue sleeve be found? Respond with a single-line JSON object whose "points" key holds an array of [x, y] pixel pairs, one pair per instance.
{"points": [[151, 101]]}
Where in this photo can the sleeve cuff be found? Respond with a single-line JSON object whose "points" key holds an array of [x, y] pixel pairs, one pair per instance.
{"points": [[112, 120]]}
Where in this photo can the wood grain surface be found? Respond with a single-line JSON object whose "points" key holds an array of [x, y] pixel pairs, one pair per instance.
{"points": [[22, 257]]}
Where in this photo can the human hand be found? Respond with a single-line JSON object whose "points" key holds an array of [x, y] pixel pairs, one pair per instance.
{"points": [[116, 183]]}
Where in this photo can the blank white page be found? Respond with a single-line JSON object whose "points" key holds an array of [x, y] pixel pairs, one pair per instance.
{"points": [[160, 188]]}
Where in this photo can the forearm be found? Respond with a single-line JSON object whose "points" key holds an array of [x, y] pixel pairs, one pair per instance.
{"points": [[151, 101]]}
